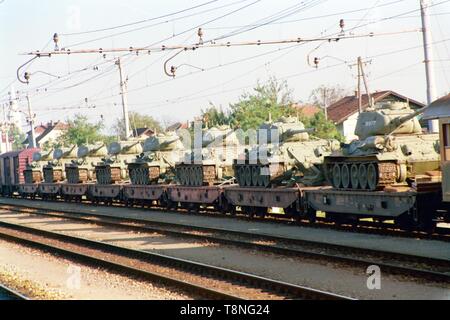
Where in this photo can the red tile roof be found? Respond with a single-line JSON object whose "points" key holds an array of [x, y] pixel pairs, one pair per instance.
{"points": [[347, 106], [307, 110]]}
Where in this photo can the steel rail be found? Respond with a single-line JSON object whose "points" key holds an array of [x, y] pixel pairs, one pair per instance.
{"points": [[11, 293], [146, 226], [362, 227], [277, 287]]}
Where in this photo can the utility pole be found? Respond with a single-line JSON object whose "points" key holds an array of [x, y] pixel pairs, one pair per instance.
{"points": [[123, 93], [359, 86], [428, 56], [31, 120], [5, 128], [325, 103], [369, 97]]}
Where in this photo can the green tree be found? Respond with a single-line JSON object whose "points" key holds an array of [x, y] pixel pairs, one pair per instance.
{"points": [[18, 137], [324, 129], [137, 120], [272, 98], [81, 131], [213, 116]]}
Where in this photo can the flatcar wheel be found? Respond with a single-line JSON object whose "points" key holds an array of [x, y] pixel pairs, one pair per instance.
{"points": [[362, 176], [354, 176], [372, 177], [345, 176], [337, 177]]}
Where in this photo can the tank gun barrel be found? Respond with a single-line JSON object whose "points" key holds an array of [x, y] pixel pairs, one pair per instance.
{"points": [[397, 122], [292, 132]]}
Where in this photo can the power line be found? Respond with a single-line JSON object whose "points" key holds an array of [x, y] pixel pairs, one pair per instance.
{"points": [[140, 21]]}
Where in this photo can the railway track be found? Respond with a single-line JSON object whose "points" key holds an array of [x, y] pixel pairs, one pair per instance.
{"points": [[364, 227], [394, 263], [7, 293], [200, 279]]}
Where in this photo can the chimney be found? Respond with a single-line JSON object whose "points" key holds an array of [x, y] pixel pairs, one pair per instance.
{"points": [[356, 93]]}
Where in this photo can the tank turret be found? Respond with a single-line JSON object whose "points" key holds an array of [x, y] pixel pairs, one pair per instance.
{"points": [[157, 161], [391, 150], [33, 172], [285, 154], [54, 169], [113, 167], [81, 169], [213, 164]]}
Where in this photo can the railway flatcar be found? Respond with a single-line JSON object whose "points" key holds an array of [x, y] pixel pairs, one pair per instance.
{"points": [[12, 166]]}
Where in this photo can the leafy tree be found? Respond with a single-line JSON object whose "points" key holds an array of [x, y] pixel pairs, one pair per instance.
{"points": [[324, 129], [17, 137], [327, 95], [272, 98], [81, 131], [213, 116], [137, 120]]}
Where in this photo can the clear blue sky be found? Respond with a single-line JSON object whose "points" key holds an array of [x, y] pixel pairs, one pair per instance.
{"points": [[29, 25]]}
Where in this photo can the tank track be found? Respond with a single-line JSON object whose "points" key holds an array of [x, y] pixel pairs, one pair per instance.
{"points": [[52, 175], [369, 175], [195, 174], [143, 174], [257, 175]]}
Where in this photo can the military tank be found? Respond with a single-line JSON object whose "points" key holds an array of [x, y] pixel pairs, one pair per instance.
{"points": [[54, 170], [391, 150], [157, 161], [213, 164], [287, 155], [113, 167], [81, 169], [33, 170]]}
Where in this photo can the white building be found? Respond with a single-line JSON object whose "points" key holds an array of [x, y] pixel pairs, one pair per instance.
{"points": [[344, 112]]}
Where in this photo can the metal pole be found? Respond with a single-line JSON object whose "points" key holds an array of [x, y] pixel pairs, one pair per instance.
{"points": [[359, 86], [123, 93], [5, 127], [428, 56], [31, 119], [325, 106], [369, 97]]}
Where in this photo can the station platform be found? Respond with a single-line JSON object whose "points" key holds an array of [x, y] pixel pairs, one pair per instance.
{"points": [[434, 249]]}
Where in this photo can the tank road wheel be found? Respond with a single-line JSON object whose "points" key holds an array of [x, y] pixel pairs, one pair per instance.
{"points": [[337, 177], [248, 176], [255, 176], [199, 175], [265, 180], [354, 176], [372, 177], [345, 176], [362, 176], [187, 178], [240, 175]]}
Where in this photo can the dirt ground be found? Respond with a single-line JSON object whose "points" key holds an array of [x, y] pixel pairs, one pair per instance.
{"points": [[40, 275]]}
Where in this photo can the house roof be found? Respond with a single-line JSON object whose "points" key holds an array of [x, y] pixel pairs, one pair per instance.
{"points": [[178, 125], [308, 110], [141, 131], [43, 130], [438, 108], [347, 106]]}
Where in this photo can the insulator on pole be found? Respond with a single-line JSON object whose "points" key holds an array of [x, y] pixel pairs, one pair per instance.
{"points": [[26, 76], [342, 24], [316, 62], [200, 35], [55, 40], [173, 69]]}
